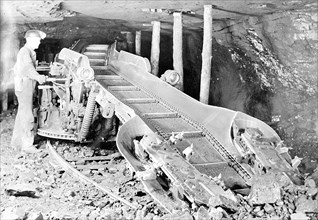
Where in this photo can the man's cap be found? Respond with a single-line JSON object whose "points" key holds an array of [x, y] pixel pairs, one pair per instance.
{"points": [[35, 33]]}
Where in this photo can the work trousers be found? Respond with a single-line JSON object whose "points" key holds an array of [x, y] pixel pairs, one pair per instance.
{"points": [[23, 131]]}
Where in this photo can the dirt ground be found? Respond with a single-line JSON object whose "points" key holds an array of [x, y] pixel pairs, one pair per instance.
{"points": [[36, 187]]}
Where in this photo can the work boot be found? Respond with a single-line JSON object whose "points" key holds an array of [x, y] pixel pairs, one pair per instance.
{"points": [[30, 150]]}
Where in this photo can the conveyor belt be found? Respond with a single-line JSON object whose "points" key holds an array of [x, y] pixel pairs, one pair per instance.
{"points": [[165, 118]]}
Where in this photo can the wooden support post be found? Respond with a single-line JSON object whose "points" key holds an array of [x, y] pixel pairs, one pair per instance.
{"points": [[138, 42], [130, 42], [177, 47], [206, 55], [155, 48], [5, 100], [15, 100]]}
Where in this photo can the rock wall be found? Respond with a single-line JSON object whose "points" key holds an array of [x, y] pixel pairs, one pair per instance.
{"points": [[267, 67]]}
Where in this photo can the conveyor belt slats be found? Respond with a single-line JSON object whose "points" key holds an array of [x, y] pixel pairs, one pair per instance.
{"points": [[160, 115], [139, 100], [108, 77], [97, 47], [95, 54], [97, 61], [187, 134], [100, 67], [123, 88]]}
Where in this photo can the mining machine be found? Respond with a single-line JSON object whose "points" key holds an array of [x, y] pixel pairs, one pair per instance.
{"points": [[183, 151]]}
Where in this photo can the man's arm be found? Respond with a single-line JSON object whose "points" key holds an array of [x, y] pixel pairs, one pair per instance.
{"points": [[27, 67]]}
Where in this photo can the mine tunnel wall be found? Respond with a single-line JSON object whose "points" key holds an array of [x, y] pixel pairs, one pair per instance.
{"points": [[267, 68]]}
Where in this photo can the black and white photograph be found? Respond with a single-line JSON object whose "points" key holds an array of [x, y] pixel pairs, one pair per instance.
{"points": [[159, 110]]}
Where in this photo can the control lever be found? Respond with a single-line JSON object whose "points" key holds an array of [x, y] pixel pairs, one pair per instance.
{"points": [[52, 79]]}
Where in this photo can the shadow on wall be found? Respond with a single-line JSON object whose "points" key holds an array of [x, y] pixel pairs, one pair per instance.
{"points": [[234, 86]]}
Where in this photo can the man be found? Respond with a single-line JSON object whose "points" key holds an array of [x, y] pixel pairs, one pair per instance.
{"points": [[25, 77]]}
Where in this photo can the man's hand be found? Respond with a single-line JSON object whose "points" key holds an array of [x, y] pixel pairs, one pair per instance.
{"points": [[41, 79]]}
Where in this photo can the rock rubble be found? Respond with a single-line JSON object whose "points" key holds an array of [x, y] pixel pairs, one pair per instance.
{"points": [[36, 187]]}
